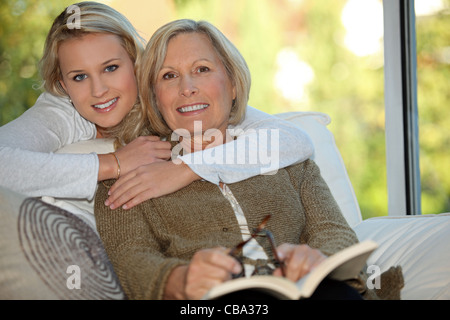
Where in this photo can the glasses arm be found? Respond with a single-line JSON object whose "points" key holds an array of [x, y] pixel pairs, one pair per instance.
{"points": [[252, 236], [274, 250]]}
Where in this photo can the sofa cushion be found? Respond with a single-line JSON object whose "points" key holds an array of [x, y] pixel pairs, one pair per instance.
{"points": [[419, 244], [49, 253]]}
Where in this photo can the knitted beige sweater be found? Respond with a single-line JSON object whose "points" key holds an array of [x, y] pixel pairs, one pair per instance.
{"points": [[148, 241]]}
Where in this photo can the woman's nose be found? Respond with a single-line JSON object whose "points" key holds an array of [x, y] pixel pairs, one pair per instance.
{"points": [[188, 86], [98, 87]]}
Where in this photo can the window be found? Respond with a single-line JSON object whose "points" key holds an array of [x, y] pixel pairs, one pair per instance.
{"points": [[416, 95], [433, 95]]}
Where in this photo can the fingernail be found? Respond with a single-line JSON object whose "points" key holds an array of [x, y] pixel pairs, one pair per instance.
{"points": [[107, 202], [112, 207]]}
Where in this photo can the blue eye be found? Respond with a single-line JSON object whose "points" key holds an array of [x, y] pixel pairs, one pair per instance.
{"points": [[80, 77], [111, 68]]}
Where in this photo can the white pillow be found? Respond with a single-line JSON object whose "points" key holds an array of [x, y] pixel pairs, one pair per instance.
{"points": [[420, 245], [329, 160]]}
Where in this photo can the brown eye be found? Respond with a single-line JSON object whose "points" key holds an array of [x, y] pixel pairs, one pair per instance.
{"points": [[202, 69], [168, 76]]}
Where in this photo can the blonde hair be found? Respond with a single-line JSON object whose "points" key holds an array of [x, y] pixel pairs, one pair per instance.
{"points": [[154, 56], [90, 17]]}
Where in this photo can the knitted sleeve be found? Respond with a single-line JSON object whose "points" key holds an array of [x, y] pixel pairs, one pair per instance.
{"points": [[133, 247], [326, 227]]}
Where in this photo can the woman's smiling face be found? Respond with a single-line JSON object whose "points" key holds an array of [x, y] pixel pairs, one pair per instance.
{"points": [[193, 85], [98, 75]]}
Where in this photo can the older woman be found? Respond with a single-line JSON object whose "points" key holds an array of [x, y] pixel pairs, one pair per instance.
{"points": [[174, 247]]}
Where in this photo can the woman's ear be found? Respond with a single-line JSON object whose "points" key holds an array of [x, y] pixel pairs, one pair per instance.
{"points": [[63, 85]]}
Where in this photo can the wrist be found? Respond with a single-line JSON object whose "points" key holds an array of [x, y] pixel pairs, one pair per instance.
{"points": [[175, 285], [188, 172], [118, 164], [109, 166]]}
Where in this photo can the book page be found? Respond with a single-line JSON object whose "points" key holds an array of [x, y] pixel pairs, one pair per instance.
{"points": [[343, 265], [278, 287]]}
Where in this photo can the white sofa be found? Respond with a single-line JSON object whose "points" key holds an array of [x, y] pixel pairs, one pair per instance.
{"points": [[42, 243]]}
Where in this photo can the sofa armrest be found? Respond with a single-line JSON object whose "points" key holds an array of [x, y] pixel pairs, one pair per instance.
{"points": [[420, 245]]}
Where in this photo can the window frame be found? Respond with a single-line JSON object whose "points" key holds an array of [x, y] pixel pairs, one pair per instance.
{"points": [[401, 111]]}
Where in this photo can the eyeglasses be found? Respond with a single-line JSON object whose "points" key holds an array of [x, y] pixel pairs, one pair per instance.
{"points": [[259, 270]]}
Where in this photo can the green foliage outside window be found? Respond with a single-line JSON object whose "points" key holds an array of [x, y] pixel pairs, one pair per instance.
{"points": [[23, 27]]}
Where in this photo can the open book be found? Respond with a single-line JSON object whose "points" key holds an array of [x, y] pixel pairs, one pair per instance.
{"points": [[344, 265]]}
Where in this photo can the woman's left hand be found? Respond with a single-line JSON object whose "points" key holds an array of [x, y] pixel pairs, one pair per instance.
{"points": [[298, 260], [149, 181]]}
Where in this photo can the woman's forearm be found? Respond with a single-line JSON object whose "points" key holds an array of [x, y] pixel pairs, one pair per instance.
{"points": [[48, 174]]}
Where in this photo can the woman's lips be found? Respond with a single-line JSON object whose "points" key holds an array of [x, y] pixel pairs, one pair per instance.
{"points": [[107, 106], [193, 108]]}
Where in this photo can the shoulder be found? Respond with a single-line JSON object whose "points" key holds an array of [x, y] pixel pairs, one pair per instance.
{"points": [[307, 166], [252, 116], [47, 101], [49, 108], [57, 112], [304, 171], [46, 108], [47, 97]]}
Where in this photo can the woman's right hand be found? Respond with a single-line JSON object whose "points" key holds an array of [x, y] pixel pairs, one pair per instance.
{"points": [[208, 268], [141, 151]]}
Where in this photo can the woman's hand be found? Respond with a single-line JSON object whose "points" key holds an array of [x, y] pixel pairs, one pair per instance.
{"points": [[141, 151], [149, 181], [298, 260], [208, 268]]}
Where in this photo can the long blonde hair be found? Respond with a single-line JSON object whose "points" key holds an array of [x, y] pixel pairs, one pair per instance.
{"points": [[154, 56], [85, 18]]}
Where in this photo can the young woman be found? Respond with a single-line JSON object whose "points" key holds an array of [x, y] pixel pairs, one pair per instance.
{"points": [[91, 92]]}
